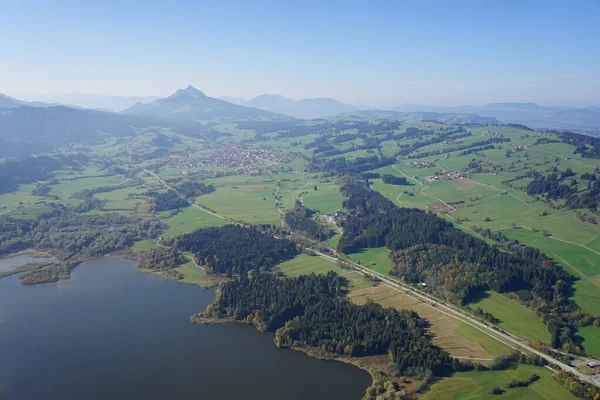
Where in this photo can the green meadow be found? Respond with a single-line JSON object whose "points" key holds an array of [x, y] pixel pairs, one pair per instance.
{"points": [[513, 317], [304, 264], [475, 385]]}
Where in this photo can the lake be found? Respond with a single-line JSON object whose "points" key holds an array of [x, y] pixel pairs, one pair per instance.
{"points": [[112, 332], [8, 264]]}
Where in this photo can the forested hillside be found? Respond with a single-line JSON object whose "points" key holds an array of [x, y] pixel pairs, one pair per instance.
{"points": [[455, 264]]}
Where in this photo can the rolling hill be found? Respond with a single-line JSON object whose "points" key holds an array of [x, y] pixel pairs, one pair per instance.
{"points": [[29, 130]]}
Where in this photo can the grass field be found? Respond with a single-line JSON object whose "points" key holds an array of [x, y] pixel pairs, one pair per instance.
{"points": [[243, 198], [188, 220], [476, 385], [326, 199], [144, 245], [379, 256], [304, 264], [197, 276], [514, 317], [65, 188], [591, 340]]}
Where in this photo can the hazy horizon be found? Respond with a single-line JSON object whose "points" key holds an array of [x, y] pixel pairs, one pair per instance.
{"points": [[150, 97], [426, 53]]}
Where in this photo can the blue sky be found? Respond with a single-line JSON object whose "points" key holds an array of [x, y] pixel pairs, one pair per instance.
{"points": [[367, 53]]}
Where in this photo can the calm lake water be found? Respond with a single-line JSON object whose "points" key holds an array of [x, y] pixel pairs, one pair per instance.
{"points": [[111, 332], [8, 264]]}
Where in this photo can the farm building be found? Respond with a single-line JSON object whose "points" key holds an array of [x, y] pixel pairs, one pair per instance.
{"points": [[594, 364]]}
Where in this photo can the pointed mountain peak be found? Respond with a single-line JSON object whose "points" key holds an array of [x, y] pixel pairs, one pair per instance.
{"points": [[190, 91]]}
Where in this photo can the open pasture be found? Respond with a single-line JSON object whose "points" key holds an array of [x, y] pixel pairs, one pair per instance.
{"points": [[513, 317], [475, 385]]}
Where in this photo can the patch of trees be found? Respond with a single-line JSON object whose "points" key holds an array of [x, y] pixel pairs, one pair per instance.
{"points": [[468, 148], [300, 220], [89, 203], [545, 140], [506, 243], [587, 146], [583, 217], [578, 388], [49, 274], [394, 180], [24, 268], [520, 126], [505, 361], [161, 258], [442, 135], [234, 249], [326, 148], [454, 264], [341, 166], [41, 189], [192, 189], [164, 201], [550, 186], [306, 312], [71, 235], [588, 176], [486, 315], [517, 383], [346, 137]]}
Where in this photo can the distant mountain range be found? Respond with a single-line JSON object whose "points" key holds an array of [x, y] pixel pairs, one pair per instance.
{"points": [[34, 127], [585, 119], [417, 116], [10, 102], [191, 104], [305, 108], [98, 102]]}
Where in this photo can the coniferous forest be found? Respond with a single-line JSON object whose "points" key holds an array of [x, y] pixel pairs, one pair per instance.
{"points": [[234, 249], [306, 312]]}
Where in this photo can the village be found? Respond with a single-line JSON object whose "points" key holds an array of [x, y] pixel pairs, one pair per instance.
{"points": [[235, 156]]}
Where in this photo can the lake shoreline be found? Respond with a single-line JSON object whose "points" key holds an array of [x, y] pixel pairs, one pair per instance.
{"points": [[376, 366], [126, 323]]}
